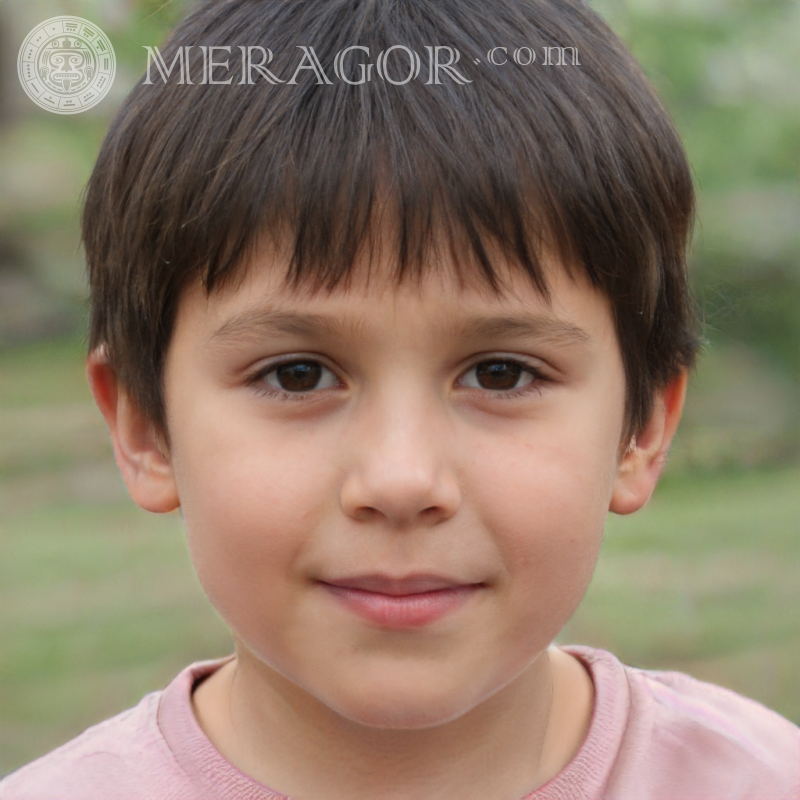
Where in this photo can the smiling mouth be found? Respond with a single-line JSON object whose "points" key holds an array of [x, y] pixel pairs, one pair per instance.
{"points": [[401, 603]]}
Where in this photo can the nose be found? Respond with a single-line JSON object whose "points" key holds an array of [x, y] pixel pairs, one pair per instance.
{"points": [[401, 467]]}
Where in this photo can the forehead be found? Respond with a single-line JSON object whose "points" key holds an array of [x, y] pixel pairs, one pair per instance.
{"points": [[450, 298]]}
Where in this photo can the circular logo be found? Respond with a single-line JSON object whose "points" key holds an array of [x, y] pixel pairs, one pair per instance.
{"points": [[66, 65]]}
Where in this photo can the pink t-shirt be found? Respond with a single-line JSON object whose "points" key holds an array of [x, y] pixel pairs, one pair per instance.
{"points": [[653, 736]]}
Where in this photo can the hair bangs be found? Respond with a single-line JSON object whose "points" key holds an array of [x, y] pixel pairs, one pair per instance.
{"points": [[580, 164]]}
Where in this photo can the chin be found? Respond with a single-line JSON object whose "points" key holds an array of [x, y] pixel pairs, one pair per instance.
{"points": [[400, 717], [390, 708]]}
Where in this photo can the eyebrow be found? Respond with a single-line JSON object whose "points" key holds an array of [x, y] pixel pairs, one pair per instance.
{"points": [[542, 327], [265, 323]]}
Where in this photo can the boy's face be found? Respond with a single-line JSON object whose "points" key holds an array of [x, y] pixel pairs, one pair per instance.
{"points": [[390, 451]]}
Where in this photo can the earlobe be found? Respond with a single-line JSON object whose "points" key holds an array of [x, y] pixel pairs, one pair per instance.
{"points": [[641, 464], [140, 454]]}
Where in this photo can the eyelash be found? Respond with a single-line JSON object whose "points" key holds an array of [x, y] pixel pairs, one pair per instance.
{"points": [[257, 381]]}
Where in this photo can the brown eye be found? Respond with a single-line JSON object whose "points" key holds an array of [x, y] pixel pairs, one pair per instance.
{"points": [[299, 376], [500, 375]]}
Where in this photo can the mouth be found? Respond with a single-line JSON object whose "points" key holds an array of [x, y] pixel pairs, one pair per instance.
{"points": [[410, 602]]}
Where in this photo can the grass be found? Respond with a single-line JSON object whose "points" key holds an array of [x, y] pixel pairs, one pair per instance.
{"points": [[706, 580], [99, 603], [98, 606], [45, 373]]}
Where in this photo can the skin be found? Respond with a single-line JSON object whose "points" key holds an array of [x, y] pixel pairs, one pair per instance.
{"points": [[401, 460]]}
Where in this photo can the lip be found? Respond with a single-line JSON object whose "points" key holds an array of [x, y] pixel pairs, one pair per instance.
{"points": [[410, 602]]}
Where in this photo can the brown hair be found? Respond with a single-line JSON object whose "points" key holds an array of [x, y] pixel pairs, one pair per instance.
{"points": [[579, 159]]}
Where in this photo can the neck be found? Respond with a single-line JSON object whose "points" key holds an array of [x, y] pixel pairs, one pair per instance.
{"points": [[500, 748]]}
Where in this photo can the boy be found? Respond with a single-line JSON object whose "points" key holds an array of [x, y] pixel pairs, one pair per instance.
{"points": [[310, 295]]}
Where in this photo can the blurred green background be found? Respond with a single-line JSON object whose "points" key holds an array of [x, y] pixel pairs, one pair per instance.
{"points": [[98, 601]]}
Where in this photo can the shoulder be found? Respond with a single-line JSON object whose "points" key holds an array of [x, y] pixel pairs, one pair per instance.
{"points": [[98, 763], [681, 737], [125, 757], [743, 724]]}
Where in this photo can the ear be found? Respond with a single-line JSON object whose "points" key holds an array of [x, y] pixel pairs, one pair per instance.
{"points": [[141, 455], [641, 464]]}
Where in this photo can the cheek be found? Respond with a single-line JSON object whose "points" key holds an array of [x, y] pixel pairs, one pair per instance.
{"points": [[549, 477], [250, 508], [546, 504]]}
